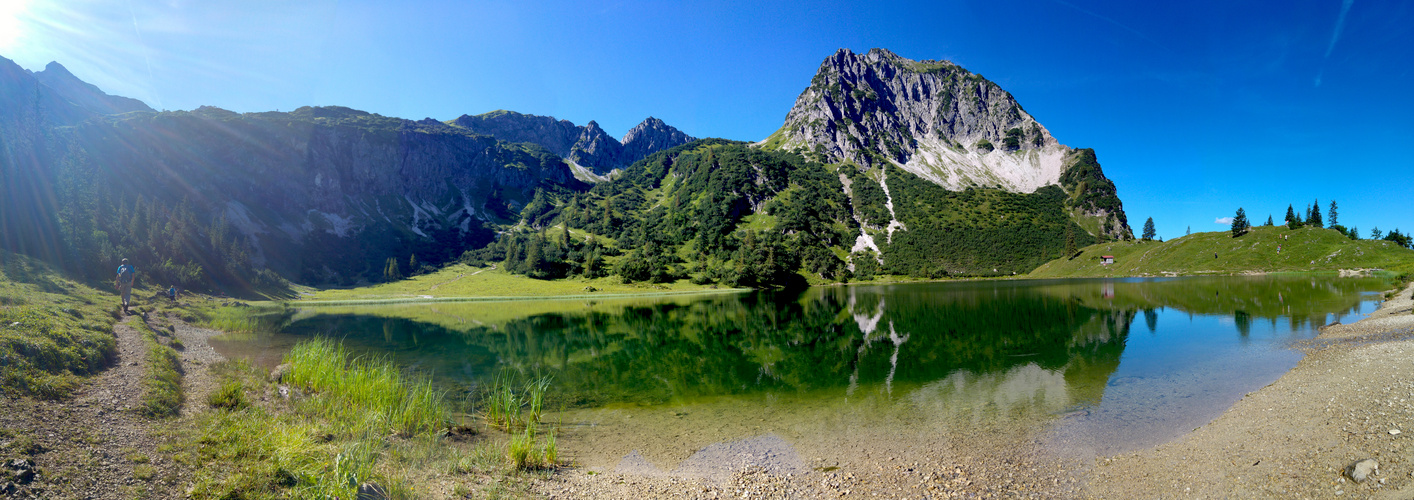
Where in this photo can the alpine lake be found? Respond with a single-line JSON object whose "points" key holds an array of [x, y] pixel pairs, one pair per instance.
{"points": [[845, 376]]}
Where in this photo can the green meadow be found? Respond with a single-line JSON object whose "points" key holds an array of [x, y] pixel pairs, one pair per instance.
{"points": [[1218, 253]]}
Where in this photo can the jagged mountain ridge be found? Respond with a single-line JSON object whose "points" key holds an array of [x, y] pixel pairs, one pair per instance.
{"points": [[938, 121], [593, 152], [319, 195]]}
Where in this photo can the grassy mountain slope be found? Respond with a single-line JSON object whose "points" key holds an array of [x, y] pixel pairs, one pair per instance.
{"points": [[53, 331], [1304, 249]]}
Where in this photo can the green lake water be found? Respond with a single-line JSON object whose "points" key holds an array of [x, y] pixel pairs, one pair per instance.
{"points": [[1083, 367]]}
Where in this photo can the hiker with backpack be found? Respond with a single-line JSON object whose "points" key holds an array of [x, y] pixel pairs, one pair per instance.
{"points": [[127, 274]]}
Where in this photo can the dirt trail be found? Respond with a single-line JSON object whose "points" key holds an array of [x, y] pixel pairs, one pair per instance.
{"points": [[95, 444]]}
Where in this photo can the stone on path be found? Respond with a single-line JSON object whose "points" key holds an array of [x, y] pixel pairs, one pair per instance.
{"points": [[1361, 470]]}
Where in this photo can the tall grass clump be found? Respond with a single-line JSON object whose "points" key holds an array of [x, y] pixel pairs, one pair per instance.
{"points": [[527, 450], [231, 396], [501, 407], [371, 388], [518, 410], [507, 407]]}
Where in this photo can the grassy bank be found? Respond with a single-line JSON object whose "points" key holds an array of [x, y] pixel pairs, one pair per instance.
{"points": [[332, 422], [54, 332], [162, 384], [1302, 250]]}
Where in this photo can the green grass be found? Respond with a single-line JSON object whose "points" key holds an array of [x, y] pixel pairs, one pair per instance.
{"points": [[1302, 250], [53, 331], [162, 384], [502, 405], [462, 281], [231, 396], [519, 412], [230, 319], [144, 472], [348, 420], [372, 388]]}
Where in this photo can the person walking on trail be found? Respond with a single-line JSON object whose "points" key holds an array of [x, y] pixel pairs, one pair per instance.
{"points": [[172, 293], [124, 282]]}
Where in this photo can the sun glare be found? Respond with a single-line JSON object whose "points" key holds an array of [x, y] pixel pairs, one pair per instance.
{"points": [[10, 12]]}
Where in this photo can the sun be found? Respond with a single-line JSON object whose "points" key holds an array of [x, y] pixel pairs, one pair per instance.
{"points": [[11, 12]]}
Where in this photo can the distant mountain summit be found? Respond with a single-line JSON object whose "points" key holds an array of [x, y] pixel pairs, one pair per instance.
{"points": [[650, 137], [84, 94], [935, 118], [592, 152], [940, 122]]}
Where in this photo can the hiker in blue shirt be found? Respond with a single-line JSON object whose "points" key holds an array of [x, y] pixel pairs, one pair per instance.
{"points": [[172, 293], [124, 282]]}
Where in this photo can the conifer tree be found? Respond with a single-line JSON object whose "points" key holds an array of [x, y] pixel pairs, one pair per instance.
{"points": [[390, 270], [1292, 221], [1149, 231], [1315, 218], [1354, 233], [1239, 223], [1069, 241], [1375, 233], [1331, 214], [1269, 220]]}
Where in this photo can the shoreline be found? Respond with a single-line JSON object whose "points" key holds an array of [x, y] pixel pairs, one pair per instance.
{"points": [[425, 299], [1293, 438], [509, 298], [1351, 397]]}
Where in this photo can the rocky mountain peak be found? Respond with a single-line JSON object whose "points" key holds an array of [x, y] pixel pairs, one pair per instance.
{"points": [[935, 118], [57, 70], [651, 136], [588, 147], [941, 122], [596, 150]]}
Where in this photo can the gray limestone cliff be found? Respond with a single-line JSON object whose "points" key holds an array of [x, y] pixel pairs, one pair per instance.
{"points": [[940, 122]]}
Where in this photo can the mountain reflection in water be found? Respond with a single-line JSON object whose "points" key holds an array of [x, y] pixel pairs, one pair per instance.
{"points": [[932, 353]]}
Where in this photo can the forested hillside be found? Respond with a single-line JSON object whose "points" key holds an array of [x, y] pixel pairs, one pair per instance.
{"points": [[716, 211]]}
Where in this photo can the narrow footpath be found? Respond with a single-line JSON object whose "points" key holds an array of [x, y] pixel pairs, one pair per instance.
{"points": [[95, 444]]}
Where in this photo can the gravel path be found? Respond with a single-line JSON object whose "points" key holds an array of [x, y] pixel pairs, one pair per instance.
{"points": [[1350, 398], [95, 445]]}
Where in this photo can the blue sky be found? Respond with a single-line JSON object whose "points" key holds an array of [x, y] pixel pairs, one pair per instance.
{"points": [[1194, 108]]}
